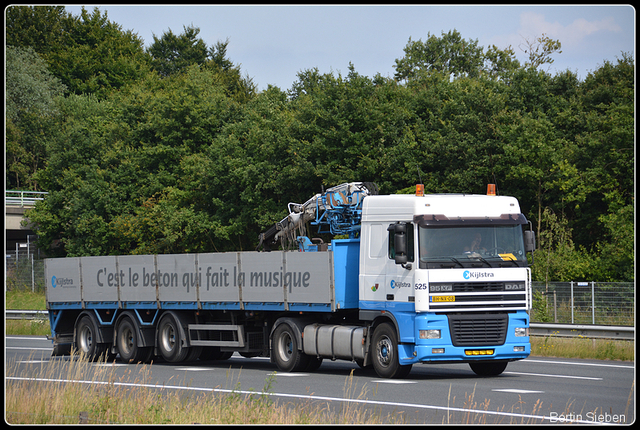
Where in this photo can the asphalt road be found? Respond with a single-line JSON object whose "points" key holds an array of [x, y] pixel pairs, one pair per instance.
{"points": [[532, 391]]}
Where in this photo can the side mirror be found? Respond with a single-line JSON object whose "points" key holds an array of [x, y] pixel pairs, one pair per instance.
{"points": [[399, 242], [529, 241]]}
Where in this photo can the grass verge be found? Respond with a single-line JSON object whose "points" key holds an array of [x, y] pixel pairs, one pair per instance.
{"points": [[99, 396], [581, 347]]}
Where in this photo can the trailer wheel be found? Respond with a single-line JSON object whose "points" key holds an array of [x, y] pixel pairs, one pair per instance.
{"points": [[87, 339], [385, 353], [285, 350], [170, 339], [127, 343], [488, 368]]}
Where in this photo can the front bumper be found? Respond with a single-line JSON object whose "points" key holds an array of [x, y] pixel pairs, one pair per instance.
{"points": [[443, 350]]}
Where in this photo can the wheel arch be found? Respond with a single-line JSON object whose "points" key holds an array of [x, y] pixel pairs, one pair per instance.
{"points": [[296, 324], [146, 333], [183, 319], [104, 332], [380, 317]]}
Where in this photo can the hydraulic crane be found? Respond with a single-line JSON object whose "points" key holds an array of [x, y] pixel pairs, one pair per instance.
{"points": [[337, 210]]}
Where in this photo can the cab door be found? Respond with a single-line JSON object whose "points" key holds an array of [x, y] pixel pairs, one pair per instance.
{"points": [[400, 277]]}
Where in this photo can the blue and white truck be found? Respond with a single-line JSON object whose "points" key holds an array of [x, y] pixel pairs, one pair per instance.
{"points": [[424, 278]]}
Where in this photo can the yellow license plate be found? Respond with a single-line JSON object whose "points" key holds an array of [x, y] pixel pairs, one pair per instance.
{"points": [[444, 298]]}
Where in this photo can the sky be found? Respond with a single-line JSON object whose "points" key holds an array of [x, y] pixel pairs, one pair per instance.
{"points": [[273, 43]]}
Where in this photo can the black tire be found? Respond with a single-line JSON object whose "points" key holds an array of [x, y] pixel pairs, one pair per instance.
{"points": [[87, 339], [360, 363], [285, 351], [194, 353], [488, 368], [169, 338], [313, 364], [384, 350], [127, 344]]}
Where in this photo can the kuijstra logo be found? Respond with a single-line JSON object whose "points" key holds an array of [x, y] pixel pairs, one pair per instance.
{"points": [[61, 282], [399, 285], [467, 274]]}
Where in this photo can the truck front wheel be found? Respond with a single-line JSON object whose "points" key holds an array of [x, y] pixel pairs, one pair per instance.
{"points": [[285, 350], [488, 368], [385, 353]]}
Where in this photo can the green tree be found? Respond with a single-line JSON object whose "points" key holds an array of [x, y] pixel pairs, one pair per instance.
{"points": [[31, 93], [597, 176], [171, 54], [240, 88], [89, 53], [450, 54], [557, 257], [454, 56], [42, 28], [120, 161], [540, 50]]}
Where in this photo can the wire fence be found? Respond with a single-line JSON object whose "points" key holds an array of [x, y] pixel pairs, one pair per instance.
{"points": [[24, 269], [600, 303]]}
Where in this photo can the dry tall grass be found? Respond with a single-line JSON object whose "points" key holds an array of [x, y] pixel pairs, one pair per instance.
{"points": [[74, 390], [98, 396]]}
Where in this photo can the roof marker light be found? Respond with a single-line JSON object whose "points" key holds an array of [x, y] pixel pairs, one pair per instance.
{"points": [[491, 189]]}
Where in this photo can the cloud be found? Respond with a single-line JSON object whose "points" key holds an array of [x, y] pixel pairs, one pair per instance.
{"points": [[533, 25]]}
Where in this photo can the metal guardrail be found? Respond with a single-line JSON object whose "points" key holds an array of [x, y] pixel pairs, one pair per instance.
{"points": [[11, 314], [535, 329], [23, 198], [583, 330]]}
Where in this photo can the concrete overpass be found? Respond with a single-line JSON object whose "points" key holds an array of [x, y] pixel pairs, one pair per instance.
{"points": [[16, 203]]}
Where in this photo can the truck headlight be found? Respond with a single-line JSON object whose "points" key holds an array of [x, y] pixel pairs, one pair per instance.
{"points": [[430, 334], [522, 331]]}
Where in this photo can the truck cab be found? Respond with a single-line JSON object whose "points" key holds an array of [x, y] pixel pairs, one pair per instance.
{"points": [[450, 271]]}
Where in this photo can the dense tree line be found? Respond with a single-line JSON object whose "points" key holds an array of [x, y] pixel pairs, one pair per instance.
{"points": [[170, 149]]}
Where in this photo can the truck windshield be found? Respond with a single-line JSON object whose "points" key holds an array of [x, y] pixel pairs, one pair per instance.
{"points": [[471, 246]]}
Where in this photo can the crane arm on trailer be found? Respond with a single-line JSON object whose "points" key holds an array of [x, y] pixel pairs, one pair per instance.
{"points": [[337, 210]]}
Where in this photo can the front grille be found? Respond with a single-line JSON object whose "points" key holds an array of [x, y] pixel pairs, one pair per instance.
{"points": [[469, 287], [478, 329]]}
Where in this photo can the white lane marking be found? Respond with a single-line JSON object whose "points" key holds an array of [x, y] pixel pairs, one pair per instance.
{"points": [[27, 338], [301, 396], [195, 369], [111, 364], [392, 381], [555, 376], [288, 374], [248, 358], [516, 391], [31, 349], [579, 364]]}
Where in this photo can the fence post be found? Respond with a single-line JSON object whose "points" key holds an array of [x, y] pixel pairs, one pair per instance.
{"points": [[593, 302], [571, 302], [33, 276]]}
